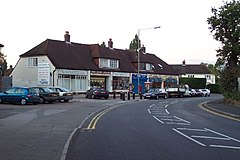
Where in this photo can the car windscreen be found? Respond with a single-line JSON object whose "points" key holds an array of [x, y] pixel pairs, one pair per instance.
{"points": [[32, 91], [47, 90]]}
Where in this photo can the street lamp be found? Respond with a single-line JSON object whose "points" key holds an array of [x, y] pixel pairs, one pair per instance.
{"points": [[138, 50]]}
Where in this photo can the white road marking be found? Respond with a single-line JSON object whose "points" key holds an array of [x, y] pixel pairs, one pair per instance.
{"points": [[189, 137], [220, 146], [181, 119], [152, 105], [173, 123], [158, 120], [166, 106], [208, 137], [191, 129], [170, 119], [236, 140], [159, 116], [167, 111], [149, 111]]}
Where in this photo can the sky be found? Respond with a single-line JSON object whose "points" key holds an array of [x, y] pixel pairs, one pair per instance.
{"points": [[183, 32]]}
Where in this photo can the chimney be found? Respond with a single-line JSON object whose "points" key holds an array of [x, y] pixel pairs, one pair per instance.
{"points": [[184, 63], [67, 37], [110, 43], [143, 49]]}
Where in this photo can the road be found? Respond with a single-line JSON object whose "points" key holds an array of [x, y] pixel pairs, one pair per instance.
{"points": [[175, 128], [40, 132]]}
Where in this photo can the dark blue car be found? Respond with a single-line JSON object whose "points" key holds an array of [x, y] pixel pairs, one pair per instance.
{"points": [[20, 95]]}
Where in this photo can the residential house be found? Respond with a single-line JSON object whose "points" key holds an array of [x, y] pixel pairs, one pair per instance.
{"points": [[79, 67], [194, 71]]}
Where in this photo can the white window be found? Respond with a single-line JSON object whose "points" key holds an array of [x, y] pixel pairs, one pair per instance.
{"points": [[32, 62], [208, 77], [191, 76], [149, 67], [108, 63], [103, 62], [113, 63]]}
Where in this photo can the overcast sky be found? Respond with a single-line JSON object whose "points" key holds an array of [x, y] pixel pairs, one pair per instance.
{"points": [[184, 32]]}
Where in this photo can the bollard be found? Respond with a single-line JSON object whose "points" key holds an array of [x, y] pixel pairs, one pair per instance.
{"points": [[133, 95], [140, 95], [114, 95], [120, 95], [128, 95], [123, 96]]}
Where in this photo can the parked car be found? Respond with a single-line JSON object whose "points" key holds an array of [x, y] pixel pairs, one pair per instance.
{"points": [[21, 95], [97, 93], [206, 92], [155, 93], [47, 95], [175, 92], [188, 93], [199, 93], [193, 92], [64, 94]]}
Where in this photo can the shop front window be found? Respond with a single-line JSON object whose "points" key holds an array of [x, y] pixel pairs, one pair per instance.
{"points": [[73, 82], [98, 82], [120, 83]]}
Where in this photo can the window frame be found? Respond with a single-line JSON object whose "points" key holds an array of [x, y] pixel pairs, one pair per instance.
{"points": [[32, 62]]}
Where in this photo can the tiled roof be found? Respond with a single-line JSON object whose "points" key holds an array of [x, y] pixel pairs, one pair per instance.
{"points": [[65, 55], [161, 67], [191, 69]]}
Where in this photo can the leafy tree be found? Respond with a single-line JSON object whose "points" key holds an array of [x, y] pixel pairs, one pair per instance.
{"points": [[225, 26], [2, 56], [134, 43]]}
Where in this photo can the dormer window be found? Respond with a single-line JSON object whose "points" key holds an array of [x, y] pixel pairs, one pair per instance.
{"points": [[108, 63], [146, 67], [113, 63], [103, 63], [159, 65]]}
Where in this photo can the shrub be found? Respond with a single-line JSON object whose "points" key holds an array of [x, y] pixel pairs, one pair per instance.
{"points": [[214, 88]]}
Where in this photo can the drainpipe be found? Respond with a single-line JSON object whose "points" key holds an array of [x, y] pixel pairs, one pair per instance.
{"points": [[53, 76]]}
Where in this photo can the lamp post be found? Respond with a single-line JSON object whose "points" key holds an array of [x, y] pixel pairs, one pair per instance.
{"points": [[138, 50]]}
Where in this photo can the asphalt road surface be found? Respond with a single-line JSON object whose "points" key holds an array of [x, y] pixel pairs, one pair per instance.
{"points": [[40, 132], [171, 129]]}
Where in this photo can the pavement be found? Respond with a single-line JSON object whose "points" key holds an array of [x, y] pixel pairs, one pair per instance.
{"points": [[221, 108]]}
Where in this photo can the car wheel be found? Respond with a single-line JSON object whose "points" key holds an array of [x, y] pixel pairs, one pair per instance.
{"points": [[42, 100], [0, 100], [23, 101], [165, 96], [66, 100]]}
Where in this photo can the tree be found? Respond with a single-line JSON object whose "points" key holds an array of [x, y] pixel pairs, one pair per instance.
{"points": [[225, 26], [134, 43]]}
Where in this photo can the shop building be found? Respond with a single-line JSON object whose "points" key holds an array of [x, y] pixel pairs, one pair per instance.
{"points": [[79, 67]]}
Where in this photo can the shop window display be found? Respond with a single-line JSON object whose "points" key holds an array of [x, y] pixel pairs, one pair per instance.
{"points": [[120, 83]]}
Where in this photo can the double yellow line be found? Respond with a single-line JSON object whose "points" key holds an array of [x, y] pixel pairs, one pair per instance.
{"points": [[93, 123]]}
